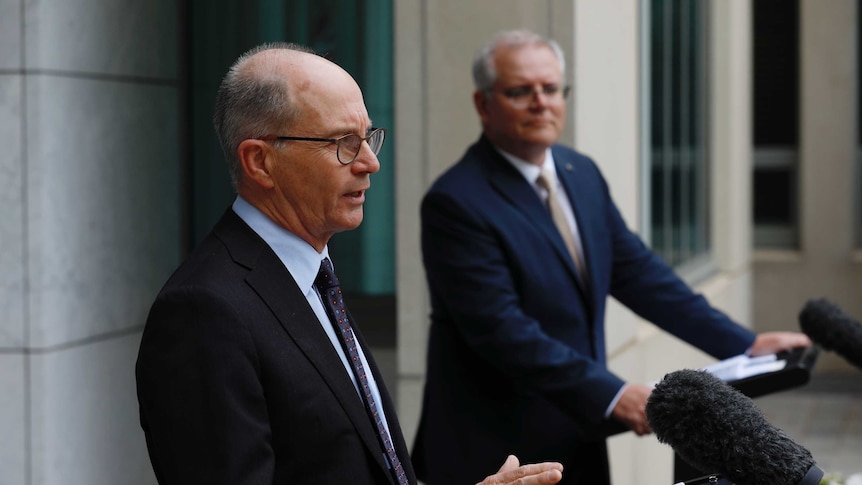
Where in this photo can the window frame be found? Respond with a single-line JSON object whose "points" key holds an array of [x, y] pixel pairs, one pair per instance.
{"points": [[693, 253]]}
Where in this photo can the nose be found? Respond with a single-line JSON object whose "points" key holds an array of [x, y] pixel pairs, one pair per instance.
{"points": [[539, 98], [366, 161]]}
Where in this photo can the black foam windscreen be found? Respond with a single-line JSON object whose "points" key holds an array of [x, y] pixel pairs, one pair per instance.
{"points": [[830, 327], [716, 428]]}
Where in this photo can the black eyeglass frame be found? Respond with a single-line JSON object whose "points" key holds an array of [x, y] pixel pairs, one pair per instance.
{"points": [[338, 142], [524, 95]]}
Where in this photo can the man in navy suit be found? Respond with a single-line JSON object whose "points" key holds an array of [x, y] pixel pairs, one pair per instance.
{"points": [[241, 375], [516, 353]]}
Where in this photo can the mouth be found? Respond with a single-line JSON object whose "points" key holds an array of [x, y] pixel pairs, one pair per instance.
{"points": [[358, 195], [539, 122]]}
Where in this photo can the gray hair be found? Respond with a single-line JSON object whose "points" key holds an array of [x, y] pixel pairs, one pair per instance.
{"points": [[484, 73], [250, 103]]}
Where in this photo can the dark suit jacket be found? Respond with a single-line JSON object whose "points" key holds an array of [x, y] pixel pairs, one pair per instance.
{"points": [[516, 356], [238, 383]]}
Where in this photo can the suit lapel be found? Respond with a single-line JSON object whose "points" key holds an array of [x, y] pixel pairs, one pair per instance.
{"points": [[276, 287], [576, 187], [510, 184]]}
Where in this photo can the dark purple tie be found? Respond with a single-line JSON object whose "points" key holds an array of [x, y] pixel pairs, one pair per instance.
{"points": [[327, 285]]}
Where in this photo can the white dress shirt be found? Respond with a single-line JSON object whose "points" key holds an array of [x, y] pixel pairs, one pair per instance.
{"points": [[531, 173]]}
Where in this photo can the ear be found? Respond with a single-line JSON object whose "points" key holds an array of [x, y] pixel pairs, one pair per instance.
{"points": [[256, 157], [480, 101]]}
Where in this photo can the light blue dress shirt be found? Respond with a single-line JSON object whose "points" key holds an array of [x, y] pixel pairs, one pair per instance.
{"points": [[303, 263]]}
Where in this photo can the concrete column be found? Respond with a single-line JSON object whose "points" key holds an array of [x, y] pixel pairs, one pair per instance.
{"points": [[88, 122]]}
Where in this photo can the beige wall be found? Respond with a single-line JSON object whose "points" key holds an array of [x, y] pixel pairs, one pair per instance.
{"points": [[826, 264], [435, 120]]}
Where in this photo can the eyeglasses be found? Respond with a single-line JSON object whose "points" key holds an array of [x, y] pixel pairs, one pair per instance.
{"points": [[522, 96], [347, 146]]}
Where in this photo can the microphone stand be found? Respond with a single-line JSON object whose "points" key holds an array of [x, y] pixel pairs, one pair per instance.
{"points": [[812, 477]]}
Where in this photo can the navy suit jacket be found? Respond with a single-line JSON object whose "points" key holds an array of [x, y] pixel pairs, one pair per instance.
{"points": [[516, 355], [239, 384]]}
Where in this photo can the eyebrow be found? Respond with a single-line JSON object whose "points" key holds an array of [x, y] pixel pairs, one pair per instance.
{"points": [[348, 131]]}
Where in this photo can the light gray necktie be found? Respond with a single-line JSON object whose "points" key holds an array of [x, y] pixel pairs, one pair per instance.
{"points": [[547, 181]]}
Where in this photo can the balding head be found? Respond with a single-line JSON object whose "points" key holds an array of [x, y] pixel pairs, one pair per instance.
{"points": [[265, 91], [280, 112]]}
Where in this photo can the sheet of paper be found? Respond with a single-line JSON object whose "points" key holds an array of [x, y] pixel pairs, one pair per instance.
{"points": [[743, 366]]}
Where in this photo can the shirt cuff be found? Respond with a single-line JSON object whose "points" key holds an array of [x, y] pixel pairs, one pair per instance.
{"points": [[614, 401]]}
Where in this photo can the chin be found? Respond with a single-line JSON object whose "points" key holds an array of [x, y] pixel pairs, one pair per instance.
{"points": [[351, 222], [544, 137]]}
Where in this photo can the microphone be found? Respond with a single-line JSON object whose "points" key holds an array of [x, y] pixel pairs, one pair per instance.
{"points": [[716, 428], [826, 324]]}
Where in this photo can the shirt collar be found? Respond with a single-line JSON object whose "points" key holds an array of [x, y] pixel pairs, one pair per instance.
{"points": [[530, 171], [300, 259]]}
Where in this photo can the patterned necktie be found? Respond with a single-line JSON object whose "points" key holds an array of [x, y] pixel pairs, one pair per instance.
{"points": [[327, 284], [547, 182]]}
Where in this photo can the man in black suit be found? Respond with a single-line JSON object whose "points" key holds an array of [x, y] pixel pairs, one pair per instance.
{"points": [[242, 376], [522, 246]]}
